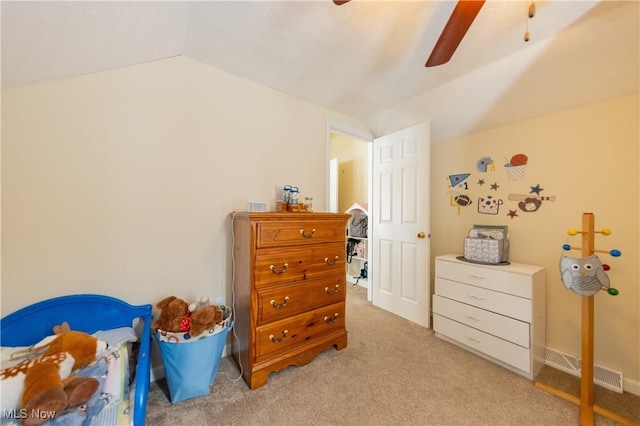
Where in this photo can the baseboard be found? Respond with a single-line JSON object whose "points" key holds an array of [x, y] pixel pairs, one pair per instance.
{"points": [[632, 386], [157, 373]]}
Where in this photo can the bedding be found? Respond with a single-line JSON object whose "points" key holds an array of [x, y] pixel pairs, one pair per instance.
{"points": [[122, 371]]}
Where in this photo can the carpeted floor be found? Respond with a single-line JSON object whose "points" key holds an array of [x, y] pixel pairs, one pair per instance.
{"points": [[392, 372]]}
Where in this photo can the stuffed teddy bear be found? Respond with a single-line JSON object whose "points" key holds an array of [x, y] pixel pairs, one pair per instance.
{"points": [[172, 313], [178, 316], [205, 318], [45, 384]]}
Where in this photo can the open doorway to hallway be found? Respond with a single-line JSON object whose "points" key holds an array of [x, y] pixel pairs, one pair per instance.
{"points": [[349, 183]]}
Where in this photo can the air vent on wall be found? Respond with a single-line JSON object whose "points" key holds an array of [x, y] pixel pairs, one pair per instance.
{"points": [[605, 377]]}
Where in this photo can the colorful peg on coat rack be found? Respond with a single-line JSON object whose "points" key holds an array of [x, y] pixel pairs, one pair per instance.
{"points": [[604, 231], [612, 291], [612, 252]]}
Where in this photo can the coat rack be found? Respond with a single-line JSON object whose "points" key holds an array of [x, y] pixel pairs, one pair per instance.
{"points": [[587, 407]]}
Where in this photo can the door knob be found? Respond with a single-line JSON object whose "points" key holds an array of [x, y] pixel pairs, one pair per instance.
{"points": [[421, 235]]}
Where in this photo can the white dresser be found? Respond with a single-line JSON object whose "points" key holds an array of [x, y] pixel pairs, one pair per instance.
{"points": [[495, 311]]}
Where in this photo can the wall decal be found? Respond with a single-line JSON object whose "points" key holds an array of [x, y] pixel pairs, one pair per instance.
{"points": [[459, 200], [530, 203], [516, 166], [489, 205], [462, 190], [484, 164], [459, 179], [536, 189]]}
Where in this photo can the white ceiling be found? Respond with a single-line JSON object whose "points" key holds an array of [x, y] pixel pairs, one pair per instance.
{"points": [[364, 59]]}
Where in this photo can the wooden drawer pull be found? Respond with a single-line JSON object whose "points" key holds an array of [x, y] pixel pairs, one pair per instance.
{"points": [[331, 292], [331, 262], [329, 320], [304, 234], [279, 271], [284, 336], [280, 305]]}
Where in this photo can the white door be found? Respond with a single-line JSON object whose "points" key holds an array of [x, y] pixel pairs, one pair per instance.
{"points": [[400, 263]]}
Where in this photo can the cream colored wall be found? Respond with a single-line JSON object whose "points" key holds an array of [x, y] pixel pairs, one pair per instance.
{"points": [[122, 182], [588, 158], [353, 170]]}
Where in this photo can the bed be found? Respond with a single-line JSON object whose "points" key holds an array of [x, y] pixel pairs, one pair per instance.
{"points": [[106, 318]]}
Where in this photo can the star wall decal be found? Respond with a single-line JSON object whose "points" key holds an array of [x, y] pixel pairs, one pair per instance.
{"points": [[536, 189], [495, 186], [481, 182], [512, 213]]}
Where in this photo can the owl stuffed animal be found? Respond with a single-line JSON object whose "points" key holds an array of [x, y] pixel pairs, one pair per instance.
{"points": [[44, 384], [584, 276]]}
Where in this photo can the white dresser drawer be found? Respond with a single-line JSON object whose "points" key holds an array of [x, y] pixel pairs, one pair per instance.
{"points": [[503, 278], [501, 303], [500, 326], [479, 341]]}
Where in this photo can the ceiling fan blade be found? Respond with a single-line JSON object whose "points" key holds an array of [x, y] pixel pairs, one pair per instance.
{"points": [[459, 22], [340, 2]]}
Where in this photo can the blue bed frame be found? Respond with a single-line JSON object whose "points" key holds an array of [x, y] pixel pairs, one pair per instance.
{"points": [[88, 313]]}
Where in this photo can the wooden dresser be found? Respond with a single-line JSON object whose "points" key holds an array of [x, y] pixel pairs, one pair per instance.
{"points": [[289, 289], [495, 311]]}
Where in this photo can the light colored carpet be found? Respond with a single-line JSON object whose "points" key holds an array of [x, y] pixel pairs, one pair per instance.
{"points": [[392, 372]]}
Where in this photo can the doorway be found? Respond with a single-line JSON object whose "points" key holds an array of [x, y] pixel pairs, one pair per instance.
{"points": [[349, 190]]}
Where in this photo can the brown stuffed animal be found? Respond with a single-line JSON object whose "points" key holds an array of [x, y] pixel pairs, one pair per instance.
{"points": [[173, 311], [45, 384], [204, 319], [175, 317]]}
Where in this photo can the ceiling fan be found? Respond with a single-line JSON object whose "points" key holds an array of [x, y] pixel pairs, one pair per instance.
{"points": [[459, 22]]}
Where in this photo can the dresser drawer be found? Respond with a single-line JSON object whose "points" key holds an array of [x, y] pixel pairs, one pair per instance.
{"points": [[282, 335], [278, 266], [498, 278], [501, 303], [495, 347], [497, 325], [281, 302], [276, 234]]}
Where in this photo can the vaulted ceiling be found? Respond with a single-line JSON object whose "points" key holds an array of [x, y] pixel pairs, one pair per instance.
{"points": [[364, 59]]}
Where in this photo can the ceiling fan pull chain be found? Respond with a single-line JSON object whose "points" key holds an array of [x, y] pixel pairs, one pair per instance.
{"points": [[532, 13]]}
